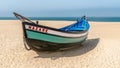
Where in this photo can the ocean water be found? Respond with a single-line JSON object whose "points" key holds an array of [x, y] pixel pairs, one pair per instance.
{"points": [[97, 19]]}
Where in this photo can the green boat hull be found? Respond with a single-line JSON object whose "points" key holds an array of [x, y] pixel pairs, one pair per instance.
{"points": [[53, 39], [47, 41]]}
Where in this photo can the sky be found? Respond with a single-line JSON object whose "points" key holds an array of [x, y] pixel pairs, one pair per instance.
{"points": [[60, 8]]}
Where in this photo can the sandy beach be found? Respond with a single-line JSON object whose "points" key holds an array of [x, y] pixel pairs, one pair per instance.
{"points": [[100, 50]]}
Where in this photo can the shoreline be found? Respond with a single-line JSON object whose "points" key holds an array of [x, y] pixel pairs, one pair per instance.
{"points": [[95, 19], [70, 21]]}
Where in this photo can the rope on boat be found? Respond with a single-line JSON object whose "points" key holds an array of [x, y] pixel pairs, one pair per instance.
{"points": [[27, 47]]}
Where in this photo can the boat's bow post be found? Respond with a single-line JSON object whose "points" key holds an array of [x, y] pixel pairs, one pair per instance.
{"points": [[22, 18], [83, 17]]}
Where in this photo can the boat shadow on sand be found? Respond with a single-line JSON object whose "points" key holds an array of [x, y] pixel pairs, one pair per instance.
{"points": [[78, 49]]}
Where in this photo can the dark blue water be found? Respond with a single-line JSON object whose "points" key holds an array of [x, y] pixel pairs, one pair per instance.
{"points": [[97, 19]]}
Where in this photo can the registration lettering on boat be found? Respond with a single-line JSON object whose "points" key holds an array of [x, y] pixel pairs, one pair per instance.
{"points": [[34, 28]]}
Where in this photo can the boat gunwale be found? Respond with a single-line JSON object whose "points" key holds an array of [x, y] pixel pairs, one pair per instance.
{"points": [[77, 32]]}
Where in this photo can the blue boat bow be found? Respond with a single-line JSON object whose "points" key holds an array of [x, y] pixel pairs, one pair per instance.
{"points": [[80, 25]]}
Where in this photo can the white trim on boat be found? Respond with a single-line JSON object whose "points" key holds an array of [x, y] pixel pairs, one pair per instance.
{"points": [[49, 31], [66, 34]]}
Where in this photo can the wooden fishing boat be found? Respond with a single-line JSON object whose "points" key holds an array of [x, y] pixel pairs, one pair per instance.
{"points": [[42, 37]]}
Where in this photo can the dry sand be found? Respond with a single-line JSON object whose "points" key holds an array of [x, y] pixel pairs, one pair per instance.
{"points": [[101, 50]]}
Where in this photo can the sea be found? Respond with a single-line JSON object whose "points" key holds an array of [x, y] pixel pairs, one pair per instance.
{"points": [[96, 19]]}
